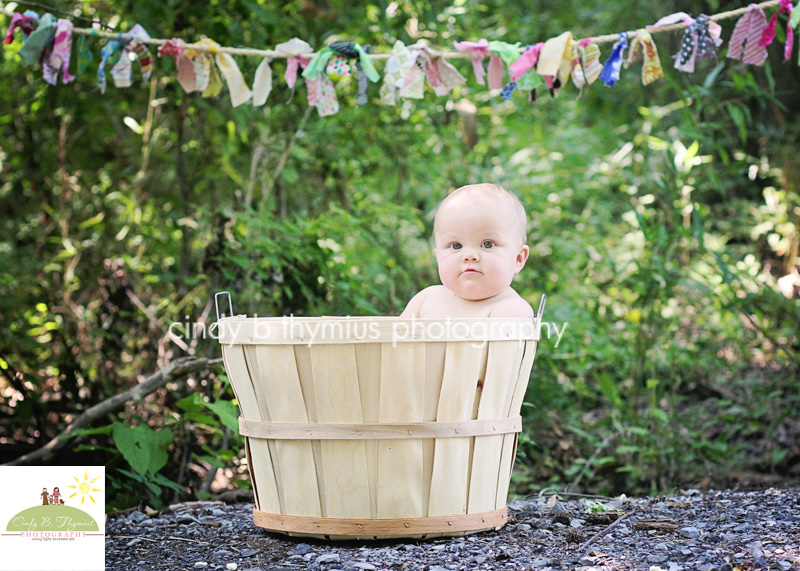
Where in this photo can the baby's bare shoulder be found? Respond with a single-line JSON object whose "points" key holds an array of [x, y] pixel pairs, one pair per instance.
{"points": [[415, 306], [511, 306]]}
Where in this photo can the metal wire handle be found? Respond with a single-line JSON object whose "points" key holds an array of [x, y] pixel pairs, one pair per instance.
{"points": [[230, 304]]}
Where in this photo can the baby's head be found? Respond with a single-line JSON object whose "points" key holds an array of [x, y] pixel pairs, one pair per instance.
{"points": [[479, 233], [484, 195]]}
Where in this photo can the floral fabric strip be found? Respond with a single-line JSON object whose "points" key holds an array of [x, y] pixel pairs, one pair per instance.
{"points": [[395, 72], [651, 68]]}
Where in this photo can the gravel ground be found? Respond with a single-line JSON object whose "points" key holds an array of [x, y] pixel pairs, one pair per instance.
{"points": [[704, 531]]}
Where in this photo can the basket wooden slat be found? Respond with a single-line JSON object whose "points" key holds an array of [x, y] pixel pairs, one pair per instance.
{"points": [[293, 460], [338, 399], [259, 459], [451, 458], [510, 440], [502, 376], [368, 360], [400, 461]]}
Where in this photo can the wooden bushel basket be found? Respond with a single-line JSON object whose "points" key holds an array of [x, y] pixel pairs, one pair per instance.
{"points": [[379, 427]]}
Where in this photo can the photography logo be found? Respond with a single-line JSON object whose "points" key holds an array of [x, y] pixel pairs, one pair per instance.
{"points": [[53, 518]]}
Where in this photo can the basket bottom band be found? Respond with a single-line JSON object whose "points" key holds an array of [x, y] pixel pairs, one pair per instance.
{"points": [[367, 527]]}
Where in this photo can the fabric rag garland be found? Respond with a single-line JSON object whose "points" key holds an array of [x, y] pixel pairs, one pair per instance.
{"points": [[523, 73], [478, 51], [700, 39], [613, 65], [556, 61], [321, 91], [398, 66], [590, 58], [59, 56], [26, 22], [107, 53], [48, 41], [38, 40], [84, 55], [769, 32], [745, 42], [651, 67]]}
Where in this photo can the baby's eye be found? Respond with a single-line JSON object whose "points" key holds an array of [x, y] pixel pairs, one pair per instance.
{"points": [[456, 246], [487, 244]]}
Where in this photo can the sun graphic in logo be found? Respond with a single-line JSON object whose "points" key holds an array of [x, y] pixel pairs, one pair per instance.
{"points": [[85, 488]]}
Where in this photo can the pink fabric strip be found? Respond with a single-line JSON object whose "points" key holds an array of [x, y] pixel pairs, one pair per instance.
{"points": [[768, 35], [25, 23], [291, 69], [745, 40], [495, 73], [526, 62], [478, 51]]}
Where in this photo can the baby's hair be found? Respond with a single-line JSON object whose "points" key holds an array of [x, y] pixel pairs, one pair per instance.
{"points": [[498, 191]]}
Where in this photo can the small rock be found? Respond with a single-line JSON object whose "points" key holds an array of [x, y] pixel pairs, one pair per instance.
{"points": [[480, 560], [690, 532], [661, 546], [301, 549], [185, 519], [136, 517], [561, 517], [656, 558], [201, 564], [248, 552], [743, 528], [713, 538], [574, 536], [134, 541], [231, 566], [523, 527], [364, 566], [328, 558], [538, 563], [785, 565], [437, 568]]}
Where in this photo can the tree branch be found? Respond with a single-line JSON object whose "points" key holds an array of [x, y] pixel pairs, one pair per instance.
{"points": [[173, 371]]}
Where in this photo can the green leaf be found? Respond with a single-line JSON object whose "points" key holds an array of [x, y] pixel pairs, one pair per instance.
{"points": [[135, 445], [106, 430], [144, 449], [227, 412]]}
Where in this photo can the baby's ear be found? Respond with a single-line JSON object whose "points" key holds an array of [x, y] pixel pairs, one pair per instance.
{"points": [[522, 257]]}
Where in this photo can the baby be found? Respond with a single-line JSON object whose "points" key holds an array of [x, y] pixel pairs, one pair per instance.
{"points": [[479, 238]]}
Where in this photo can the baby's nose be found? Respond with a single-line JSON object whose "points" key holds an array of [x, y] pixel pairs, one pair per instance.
{"points": [[470, 254]]}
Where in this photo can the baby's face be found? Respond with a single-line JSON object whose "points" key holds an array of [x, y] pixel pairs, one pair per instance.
{"points": [[479, 245]]}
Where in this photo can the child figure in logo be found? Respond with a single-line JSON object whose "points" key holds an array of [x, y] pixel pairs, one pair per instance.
{"points": [[45, 495], [479, 236], [56, 494]]}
